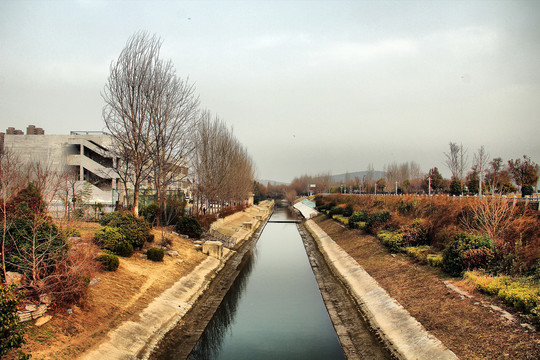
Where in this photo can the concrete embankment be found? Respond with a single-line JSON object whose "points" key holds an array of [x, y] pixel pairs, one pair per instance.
{"points": [[403, 334], [135, 339]]}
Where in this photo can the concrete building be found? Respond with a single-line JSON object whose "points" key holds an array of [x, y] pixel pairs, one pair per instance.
{"points": [[86, 152]]}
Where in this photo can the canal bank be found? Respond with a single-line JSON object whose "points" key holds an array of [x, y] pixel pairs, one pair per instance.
{"points": [[403, 335], [357, 338], [136, 338], [273, 310]]}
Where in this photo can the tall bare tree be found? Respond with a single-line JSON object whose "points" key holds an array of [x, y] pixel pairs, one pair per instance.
{"points": [[127, 108], [481, 159], [223, 170], [452, 160], [457, 161], [173, 116]]}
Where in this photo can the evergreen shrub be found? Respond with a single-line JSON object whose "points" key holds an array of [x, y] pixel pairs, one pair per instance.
{"points": [[466, 252], [11, 332], [392, 240], [109, 262], [135, 230], [112, 239], [190, 226], [155, 254]]}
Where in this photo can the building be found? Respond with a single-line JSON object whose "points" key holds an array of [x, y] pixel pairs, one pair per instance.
{"points": [[87, 153]]}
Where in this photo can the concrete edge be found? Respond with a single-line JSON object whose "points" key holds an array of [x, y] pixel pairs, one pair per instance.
{"points": [[136, 340], [131, 338], [404, 335]]}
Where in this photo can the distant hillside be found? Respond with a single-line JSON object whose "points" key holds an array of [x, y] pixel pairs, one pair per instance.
{"points": [[360, 174], [272, 182]]}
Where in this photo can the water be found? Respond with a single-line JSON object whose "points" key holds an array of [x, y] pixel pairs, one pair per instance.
{"points": [[274, 310]]}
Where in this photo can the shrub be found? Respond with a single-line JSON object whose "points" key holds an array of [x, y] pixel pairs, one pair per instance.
{"points": [[71, 276], [358, 216], [189, 226], [33, 243], [392, 240], [435, 260], [11, 332], [419, 253], [150, 212], [407, 205], [112, 239], [135, 230], [377, 219], [72, 232], [348, 210], [155, 254], [522, 294], [336, 210], [415, 233], [457, 257], [109, 262], [342, 219], [206, 220]]}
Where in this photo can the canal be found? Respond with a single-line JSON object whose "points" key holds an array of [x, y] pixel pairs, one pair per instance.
{"points": [[274, 309]]}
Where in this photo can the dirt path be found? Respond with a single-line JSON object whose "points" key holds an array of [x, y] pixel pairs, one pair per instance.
{"points": [[470, 330]]}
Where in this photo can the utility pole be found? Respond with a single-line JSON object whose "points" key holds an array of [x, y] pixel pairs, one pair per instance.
{"points": [[429, 186], [396, 187]]}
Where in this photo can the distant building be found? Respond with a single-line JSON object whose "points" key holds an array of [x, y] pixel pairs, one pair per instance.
{"points": [[86, 152]]}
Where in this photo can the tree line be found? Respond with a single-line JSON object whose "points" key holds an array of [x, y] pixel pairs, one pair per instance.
{"points": [[481, 176], [155, 120]]}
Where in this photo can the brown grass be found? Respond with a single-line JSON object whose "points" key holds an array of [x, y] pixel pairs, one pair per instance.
{"points": [[516, 229], [116, 297], [471, 331]]}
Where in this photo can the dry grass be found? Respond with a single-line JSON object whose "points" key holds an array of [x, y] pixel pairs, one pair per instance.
{"points": [[471, 331], [516, 228], [116, 297]]}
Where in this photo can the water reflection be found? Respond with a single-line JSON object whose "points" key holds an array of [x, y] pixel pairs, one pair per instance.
{"points": [[274, 309], [211, 340]]}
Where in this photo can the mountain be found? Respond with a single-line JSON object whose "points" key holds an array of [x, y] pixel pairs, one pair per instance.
{"points": [[272, 182], [341, 178]]}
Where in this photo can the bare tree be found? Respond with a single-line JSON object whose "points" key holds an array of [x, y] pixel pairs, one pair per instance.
{"points": [[173, 116], [452, 160], [223, 170], [456, 161], [127, 108], [481, 158], [463, 163], [489, 216]]}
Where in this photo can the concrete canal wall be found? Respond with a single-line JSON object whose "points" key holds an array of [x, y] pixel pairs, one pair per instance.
{"points": [[402, 333], [136, 339]]}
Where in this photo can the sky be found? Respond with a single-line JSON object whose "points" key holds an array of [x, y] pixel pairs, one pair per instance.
{"points": [[308, 86]]}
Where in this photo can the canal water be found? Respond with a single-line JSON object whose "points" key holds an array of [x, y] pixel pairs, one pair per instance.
{"points": [[274, 309]]}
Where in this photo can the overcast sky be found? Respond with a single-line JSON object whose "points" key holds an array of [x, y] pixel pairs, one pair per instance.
{"points": [[308, 86]]}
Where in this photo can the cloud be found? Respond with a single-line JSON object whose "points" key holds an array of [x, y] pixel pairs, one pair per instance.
{"points": [[354, 52]]}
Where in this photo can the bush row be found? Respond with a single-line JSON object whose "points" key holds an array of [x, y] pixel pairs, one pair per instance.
{"points": [[519, 293]]}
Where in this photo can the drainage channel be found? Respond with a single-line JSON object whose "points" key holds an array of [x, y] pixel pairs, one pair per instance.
{"points": [[274, 308]]}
